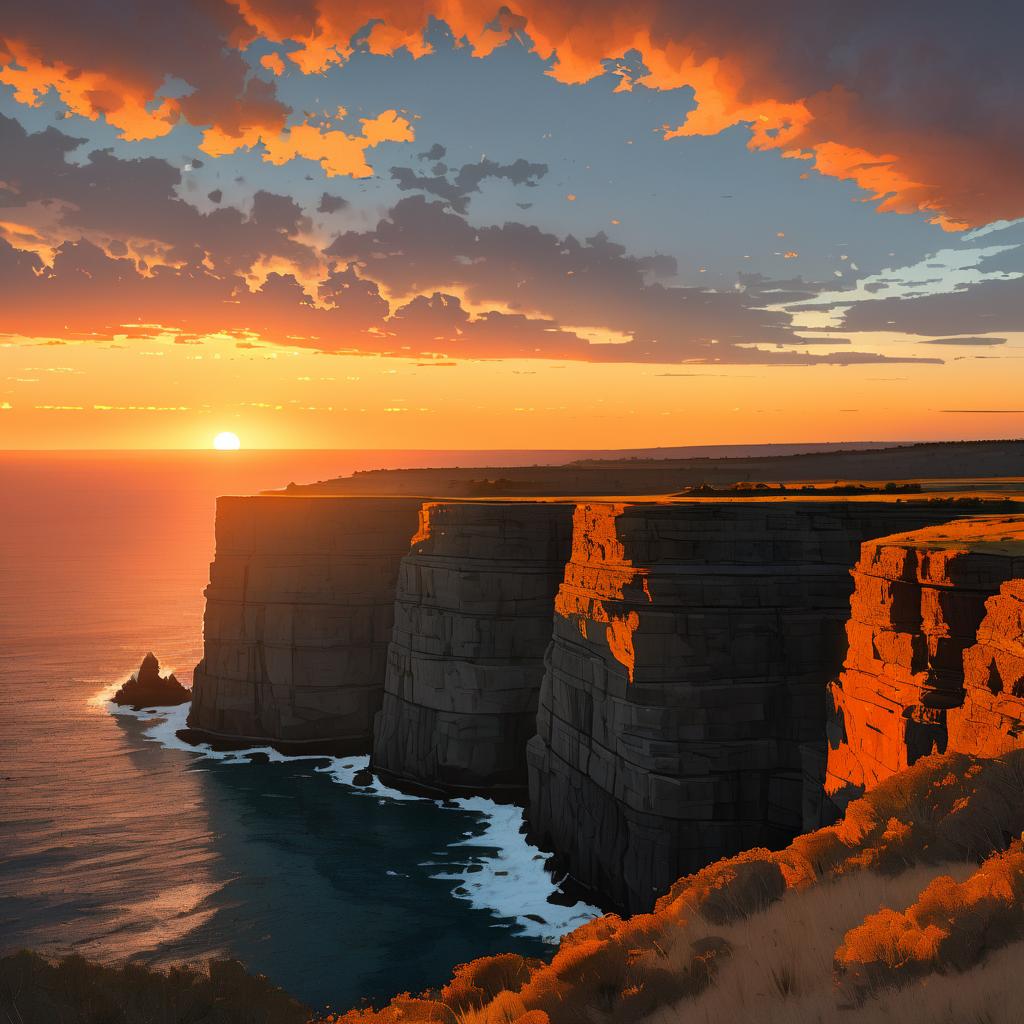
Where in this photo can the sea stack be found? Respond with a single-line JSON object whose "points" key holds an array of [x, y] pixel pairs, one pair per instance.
{"points": [[147, 688]]}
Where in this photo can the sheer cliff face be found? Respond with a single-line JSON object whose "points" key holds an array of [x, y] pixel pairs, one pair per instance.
{"points": [[936, 652], [298, 617], [692, 645], [472, 622]]}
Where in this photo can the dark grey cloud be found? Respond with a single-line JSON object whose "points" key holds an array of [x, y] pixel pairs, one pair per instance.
{"points": [[949, 303], [964, 341], [767, 291], [425, 248], [988, 306], [331, 204], [215, 196], [492, 291], [108, 197], [456, 189], [436, 152]]}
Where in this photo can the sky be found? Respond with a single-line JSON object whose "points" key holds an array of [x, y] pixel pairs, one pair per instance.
{"points": [[456, 224]]}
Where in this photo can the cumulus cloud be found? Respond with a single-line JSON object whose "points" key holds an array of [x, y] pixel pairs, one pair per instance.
{"points": [[423, 247], [85, 292], [104, 246], [115, 65], [910, 101], [132, 207]]}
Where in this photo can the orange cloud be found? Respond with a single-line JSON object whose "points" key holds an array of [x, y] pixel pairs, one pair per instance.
{"points": [[273, 62], [863, 93], [336, 151], [88, 93], [912, 102]]}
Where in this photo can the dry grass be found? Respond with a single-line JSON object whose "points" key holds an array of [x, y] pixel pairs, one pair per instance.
{"points": [[781, 969], [34, 990], [753, 938]]}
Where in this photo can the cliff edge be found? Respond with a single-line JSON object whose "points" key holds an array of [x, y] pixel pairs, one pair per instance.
{"points": [[936, 652], [298, 618]]}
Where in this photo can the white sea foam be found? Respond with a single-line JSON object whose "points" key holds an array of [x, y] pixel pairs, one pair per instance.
{"points": [[496, 871]]}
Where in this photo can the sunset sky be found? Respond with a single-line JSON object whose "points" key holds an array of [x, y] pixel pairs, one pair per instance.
{"points": [[320, 223]]}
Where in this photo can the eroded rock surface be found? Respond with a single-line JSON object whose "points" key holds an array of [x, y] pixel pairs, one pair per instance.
{"points": [[472, 621], [936, 652], [298, 618], [692, 646]]}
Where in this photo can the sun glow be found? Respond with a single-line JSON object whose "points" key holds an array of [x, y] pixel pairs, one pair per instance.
{"points": [[226, 441]]}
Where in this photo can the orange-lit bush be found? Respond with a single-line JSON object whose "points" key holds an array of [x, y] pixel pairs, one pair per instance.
{"points": [[946, 809], [952, 926]]}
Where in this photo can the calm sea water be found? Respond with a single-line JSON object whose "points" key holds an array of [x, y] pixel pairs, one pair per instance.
{"points": [[113, 843]]}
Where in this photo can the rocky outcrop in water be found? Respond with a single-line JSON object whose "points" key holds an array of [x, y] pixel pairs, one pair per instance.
{"points": [[692, 646], [148, 689], [472, 621], [936, 652], [299, 612]]}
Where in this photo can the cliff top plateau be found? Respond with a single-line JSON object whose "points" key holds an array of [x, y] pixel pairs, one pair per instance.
{"points": [[971, 463]]}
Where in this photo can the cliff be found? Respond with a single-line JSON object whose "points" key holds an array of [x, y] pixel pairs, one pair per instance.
{"points": [[665, 672], [692, 644], [936, 652], [299, 612], [472, 621]]}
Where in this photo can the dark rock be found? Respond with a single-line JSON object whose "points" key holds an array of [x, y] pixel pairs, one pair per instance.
{"points": [[298, 617], [472, 623], [147, 688]]}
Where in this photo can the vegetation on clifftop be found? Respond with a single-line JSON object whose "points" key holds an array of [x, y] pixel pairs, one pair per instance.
{"points": [[34, 990], [877, 916]]}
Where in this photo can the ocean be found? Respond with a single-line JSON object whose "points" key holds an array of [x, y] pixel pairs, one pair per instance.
{"points": [[117, 841]]}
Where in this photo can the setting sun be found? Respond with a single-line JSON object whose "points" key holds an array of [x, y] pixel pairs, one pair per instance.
{"points": [[226, 441]]}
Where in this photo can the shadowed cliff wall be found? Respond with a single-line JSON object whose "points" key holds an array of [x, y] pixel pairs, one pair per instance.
{"points": [[936, 652], [692, 646], [472, 622], [299, 612]]}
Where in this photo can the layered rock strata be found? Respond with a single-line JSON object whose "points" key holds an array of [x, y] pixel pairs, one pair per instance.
{"points": [[472, 621], [936, 652], [299, 612], [692, 646]]}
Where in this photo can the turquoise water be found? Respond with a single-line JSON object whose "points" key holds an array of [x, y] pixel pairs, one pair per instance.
{"points": [[114, 843]]}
